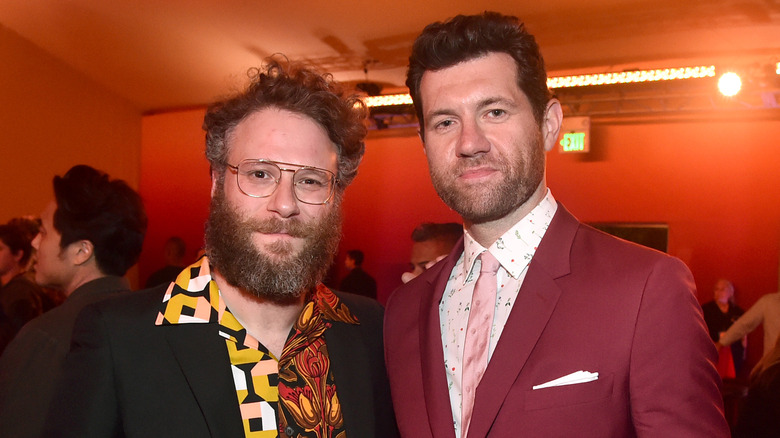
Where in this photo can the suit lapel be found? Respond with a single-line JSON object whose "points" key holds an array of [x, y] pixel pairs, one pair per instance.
{"points": [[533, 308], [351, 371], [204, 361], [437, 397]]}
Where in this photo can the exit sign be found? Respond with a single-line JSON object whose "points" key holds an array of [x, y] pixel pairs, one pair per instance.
{"points": [[575, 135]]}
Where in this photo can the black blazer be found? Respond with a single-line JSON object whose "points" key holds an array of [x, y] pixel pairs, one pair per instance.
{"points": [[127, 377]]}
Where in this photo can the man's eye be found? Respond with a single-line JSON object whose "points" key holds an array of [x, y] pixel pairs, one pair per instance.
{"points": [[311, 182], [258, 174], [444, 124], [497, 112]]}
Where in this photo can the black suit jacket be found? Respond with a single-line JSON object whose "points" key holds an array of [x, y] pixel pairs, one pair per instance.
{"points": [[125, 376]]}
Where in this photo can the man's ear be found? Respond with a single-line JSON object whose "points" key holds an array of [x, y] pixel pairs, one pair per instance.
{"points": [[81, 251], [551, 125], [18, 256], [214, 180], [422, 140]]}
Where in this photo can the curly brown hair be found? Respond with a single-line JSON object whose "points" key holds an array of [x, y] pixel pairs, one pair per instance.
{"points": [[300, 89]]}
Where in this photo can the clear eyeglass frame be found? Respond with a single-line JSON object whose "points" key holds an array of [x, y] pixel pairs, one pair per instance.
{"points": [[260, 178]]}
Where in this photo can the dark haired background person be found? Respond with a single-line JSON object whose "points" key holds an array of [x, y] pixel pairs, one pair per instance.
{"points": [[537, 325], [431, 242], [20, 299], [174, 251], [357, 281], [247, 341], [90, 235], [719, 314], [31, 225]]}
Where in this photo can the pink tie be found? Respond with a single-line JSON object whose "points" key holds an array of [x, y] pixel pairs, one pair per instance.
{"points": [[475, 349]]}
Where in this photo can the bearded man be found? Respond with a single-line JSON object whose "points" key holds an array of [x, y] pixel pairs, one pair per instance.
{"points": [[247, 341]]}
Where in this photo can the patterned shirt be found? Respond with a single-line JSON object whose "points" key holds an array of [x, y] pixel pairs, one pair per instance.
{"points": [[294, 395], [514, 251]]}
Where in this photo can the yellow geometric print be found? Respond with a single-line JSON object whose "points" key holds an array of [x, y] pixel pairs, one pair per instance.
{"points": [[194, 298]]}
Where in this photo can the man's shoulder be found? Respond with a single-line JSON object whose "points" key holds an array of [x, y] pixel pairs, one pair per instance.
{"points": [[360, 305], [131, 303]]}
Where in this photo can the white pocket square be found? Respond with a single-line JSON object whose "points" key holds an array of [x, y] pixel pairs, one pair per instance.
{"points": [[570, 379]]}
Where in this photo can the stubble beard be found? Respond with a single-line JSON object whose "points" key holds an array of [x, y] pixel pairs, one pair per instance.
{"points": [[277, 275], [481, 203]]}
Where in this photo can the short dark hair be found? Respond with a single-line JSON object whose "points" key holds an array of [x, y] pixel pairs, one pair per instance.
{"points": [[178, 244], [17, 239], [108, 213], [356, 255], [448, 232], [299, 89], [466, 37]]}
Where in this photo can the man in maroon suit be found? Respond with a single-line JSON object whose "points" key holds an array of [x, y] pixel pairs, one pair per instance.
{"points": [[590, 336]]}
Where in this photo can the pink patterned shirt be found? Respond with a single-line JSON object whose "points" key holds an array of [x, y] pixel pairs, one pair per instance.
{"points": [[514, 250]]}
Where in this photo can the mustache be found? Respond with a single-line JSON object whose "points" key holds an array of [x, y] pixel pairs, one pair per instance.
{"points": [[466, 163], [292, 227]]}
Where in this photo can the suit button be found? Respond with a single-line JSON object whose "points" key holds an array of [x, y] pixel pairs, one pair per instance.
{"points": [[289, 431]]}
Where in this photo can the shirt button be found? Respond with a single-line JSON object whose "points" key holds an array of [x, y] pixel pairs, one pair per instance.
{"points": [[289, 431]]}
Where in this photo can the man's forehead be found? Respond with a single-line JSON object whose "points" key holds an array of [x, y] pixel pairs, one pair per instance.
{"points": [[281, 135]]}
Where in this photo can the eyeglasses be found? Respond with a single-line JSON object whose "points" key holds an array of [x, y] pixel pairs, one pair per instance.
{"points": [[260, 178]]}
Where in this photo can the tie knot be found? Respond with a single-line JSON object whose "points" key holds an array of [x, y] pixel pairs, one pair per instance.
{"points": [[489, 263]]}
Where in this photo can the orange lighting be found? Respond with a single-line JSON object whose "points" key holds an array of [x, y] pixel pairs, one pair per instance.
{"points": [[624, 77], [729, 84], [388, 100], [630, 77]]}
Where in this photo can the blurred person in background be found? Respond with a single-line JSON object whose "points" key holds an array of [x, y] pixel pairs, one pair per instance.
{"points": [[90, 235]]}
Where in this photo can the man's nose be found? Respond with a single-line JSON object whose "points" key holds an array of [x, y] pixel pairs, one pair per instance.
{"points": [[283, 201], [472, 140]]}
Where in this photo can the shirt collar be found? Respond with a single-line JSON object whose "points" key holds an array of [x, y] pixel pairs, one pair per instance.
{"points": [[195, 298], [515, 248]]}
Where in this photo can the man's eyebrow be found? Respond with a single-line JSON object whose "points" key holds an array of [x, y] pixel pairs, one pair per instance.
{"points": [[482, 104], [490, 101], [439, 112]]}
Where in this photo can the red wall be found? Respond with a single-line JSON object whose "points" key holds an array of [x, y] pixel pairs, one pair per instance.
{"points": [[175, 184], [714, 183]]}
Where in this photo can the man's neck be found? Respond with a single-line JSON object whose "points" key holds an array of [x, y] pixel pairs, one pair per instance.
{"points": [[266, 321], [486, 233], [81, 278], [13, 272]]}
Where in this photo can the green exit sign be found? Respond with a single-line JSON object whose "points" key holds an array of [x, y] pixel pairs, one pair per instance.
{"points": [[575, 135], [573, 142]]}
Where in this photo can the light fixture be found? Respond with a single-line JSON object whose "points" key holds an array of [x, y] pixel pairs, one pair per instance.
{"points": [[388, 100], [632, 77], [623, 77], [729, 84]]}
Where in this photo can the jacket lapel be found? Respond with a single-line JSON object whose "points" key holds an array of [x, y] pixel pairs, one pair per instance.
{"points": [[437, 397], [204, 361], [532, 310], [351, 371]]}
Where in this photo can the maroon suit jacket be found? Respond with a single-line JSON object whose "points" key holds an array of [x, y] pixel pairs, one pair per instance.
{"points": [[589, 302]]}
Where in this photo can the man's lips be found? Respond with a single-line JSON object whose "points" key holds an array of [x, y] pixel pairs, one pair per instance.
{"points": [[476, 172]]}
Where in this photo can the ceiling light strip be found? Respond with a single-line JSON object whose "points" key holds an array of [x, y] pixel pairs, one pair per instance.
{"points": [[625, 77], [631, 77]]}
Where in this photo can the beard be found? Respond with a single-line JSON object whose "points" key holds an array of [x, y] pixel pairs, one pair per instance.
{"points": [[480, 203], [277, 275]]}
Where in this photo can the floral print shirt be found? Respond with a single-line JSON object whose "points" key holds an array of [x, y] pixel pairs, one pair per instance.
{"points": [[291, 396], [514, 251]]}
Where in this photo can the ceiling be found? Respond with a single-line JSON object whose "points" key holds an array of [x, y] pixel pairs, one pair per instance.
{"points": [[163, 55]]}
